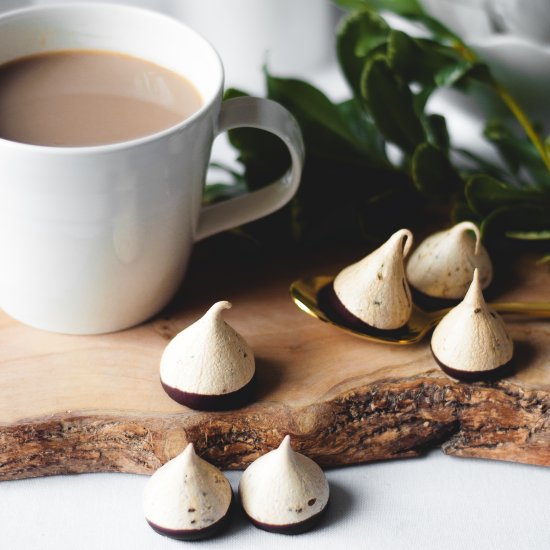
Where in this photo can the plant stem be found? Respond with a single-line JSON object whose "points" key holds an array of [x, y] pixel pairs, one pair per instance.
{"points": [[511, 103], [522, 118]]}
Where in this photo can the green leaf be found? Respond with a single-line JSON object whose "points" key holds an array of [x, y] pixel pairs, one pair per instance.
{"points": [[438, 135], [413, 11], [449, 75], [432, 172], [237, 176], [349, 191], [397, 6], [419, 60], [518, 153], [363, 127], [516, 219], [420, 99], [529, 235], [215, 192], [359, 36], [463, 73], [461, 211], [474, 164], [485, 194], [309, 104], [391, 105], [230, 93], [327, 127]]}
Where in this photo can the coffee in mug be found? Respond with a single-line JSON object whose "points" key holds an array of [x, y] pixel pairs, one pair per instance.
{"points": [[78, 97]]}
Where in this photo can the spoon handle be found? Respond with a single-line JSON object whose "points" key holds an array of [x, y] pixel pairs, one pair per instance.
{"points": [[531, 309]]}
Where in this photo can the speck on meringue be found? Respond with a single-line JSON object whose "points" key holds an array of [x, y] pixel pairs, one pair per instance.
{"points": [[208, 366]]}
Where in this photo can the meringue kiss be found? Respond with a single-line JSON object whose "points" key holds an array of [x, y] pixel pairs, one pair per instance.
{"points": [[443, 264], [470, 342], [187, 498], [374, 290], [208, 366], [284, 491]]}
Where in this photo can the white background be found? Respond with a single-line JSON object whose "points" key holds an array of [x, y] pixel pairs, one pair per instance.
{"points": [[436, 502], [432, 503]]}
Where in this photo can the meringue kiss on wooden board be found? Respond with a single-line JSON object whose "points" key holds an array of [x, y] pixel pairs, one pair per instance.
{"points": [[86, 404]]}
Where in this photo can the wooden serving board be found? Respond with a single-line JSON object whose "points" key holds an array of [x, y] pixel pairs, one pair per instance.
{"points": [[87, 404]]}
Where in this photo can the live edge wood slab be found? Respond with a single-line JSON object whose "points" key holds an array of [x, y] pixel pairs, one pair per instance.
{"points": [[92, 404]]}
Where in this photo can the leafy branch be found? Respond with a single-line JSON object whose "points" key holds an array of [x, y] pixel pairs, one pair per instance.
{"points": [[351, 190]]}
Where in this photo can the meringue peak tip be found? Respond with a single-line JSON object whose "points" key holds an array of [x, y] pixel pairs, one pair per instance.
{"points": [[286, 444], [189, 452], [474, 295], [219, 307], [463, 227], [405, 238]]}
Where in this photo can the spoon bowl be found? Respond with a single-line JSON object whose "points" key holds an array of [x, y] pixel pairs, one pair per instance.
{"points": [[309, 295]]}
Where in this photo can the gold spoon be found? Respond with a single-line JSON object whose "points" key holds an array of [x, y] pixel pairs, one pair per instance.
{"points": [[305, 293]]}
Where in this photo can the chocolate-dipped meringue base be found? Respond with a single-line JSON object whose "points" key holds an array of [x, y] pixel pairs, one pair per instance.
{"points": [[477, 376], [429, 303], [196, 534], [293, 528], [337, 312], [224, 402]]}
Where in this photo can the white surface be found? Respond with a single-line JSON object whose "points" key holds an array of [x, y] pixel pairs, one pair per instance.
{"points": [[436, 502], [251, 33], [433, 503]]}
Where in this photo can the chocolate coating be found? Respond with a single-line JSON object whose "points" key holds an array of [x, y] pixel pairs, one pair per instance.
{"points": [[223, 402], [337, 312], [431, 303], [292, 528], [196, 534], [476, 376]]}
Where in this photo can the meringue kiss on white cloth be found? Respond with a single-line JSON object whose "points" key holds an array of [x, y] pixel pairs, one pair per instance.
{"points": [[471, 341], [187, 498], [284, 491], [443, 264], [374, 290], [208, 366]]}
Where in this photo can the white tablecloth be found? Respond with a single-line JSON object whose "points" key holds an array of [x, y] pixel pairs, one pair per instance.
{"points": [[436, 502]]}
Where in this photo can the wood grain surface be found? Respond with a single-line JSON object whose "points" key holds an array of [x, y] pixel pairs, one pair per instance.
{"points": [[73, 404]]}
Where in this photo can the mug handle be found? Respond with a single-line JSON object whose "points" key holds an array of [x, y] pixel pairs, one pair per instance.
{"points": [[264, 114]]}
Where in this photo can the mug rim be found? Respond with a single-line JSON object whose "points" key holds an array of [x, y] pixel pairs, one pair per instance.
{"points": [[130, 143]]}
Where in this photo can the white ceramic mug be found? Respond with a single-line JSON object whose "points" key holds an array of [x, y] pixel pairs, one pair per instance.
{"points": [[97, 239]]}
